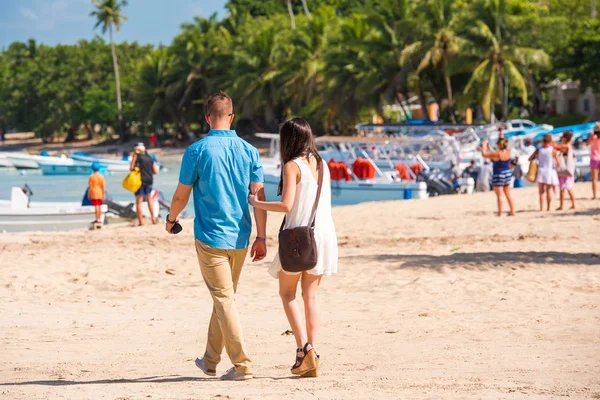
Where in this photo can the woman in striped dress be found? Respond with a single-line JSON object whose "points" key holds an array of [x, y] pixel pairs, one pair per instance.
{"points": [[502, 174]]}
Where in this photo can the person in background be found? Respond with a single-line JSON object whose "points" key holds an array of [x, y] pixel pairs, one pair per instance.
{"points": [[153, 140], [455, 176], [96, 190], [517, 174], [148, 168], [527, 147], [565, 183], [222, 170], [472, 171], [547, 178], [484, 178], [594, 143], [502, 175]]}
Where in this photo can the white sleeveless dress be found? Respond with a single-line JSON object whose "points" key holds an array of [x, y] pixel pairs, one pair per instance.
{"points": [[299, 215], [546, 167]]}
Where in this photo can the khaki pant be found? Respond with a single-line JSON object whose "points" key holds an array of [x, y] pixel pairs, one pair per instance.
{"points": [[221, 271]]}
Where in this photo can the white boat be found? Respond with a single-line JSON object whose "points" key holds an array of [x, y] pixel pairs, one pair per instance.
{"points": [[112, 164], [72, 168], [19, 214], [384, 186], [5, 162]]}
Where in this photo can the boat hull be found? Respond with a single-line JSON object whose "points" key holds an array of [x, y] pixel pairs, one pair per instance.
{"points": [[348, 193], [46, 216]]}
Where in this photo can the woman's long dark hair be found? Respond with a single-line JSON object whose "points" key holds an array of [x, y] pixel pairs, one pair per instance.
{"points": [[296, 140]]}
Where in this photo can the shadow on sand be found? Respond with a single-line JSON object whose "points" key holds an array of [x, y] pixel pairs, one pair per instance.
{"points": [[483, 260], [148, 379]]}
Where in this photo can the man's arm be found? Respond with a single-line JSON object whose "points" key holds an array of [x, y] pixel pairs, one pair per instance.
{"points": [[155, 168], [180, 200]]}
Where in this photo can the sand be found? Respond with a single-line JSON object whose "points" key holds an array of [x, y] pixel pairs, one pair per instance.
{"points": [[434, 299]]}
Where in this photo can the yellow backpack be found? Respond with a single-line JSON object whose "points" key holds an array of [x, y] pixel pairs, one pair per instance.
{"points": [[133, 181]]}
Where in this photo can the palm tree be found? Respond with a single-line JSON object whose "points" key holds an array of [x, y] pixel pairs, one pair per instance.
{"points": [[440, 47], [291, 13], [497, 59], [306, 11], [108, 13]]}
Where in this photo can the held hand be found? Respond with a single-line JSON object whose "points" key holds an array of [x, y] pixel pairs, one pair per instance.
{"points": [[169, 226], [252, 200], [258, 251]]}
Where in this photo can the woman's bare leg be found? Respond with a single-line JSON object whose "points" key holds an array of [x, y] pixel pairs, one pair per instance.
{"points": [[541, 193], [562, 201], [511, 203], [595, 182], [287, 291], [572, 196], [548, 196], [98, 213], [310, 285], [498, 191]]}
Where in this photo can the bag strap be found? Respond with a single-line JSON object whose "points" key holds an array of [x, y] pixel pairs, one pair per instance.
{"points": [[313, 215]]}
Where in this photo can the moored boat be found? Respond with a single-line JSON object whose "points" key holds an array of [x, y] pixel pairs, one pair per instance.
{"points": [[20, 214]]}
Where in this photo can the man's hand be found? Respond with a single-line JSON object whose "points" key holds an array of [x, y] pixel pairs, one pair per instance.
{"points": [[258, 251], [169, 226]]}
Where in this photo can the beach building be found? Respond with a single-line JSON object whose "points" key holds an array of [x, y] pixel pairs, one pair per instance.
{"points": [[567, 98]]}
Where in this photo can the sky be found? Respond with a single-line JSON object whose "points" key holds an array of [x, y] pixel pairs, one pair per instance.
{"points": [[67, 21]]}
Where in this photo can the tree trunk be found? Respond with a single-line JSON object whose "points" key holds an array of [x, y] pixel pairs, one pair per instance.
{"points": [[423, 101], [90, 131], [500, 77], [118, 87], [307, 12], [593, 8], [71, 132], [449, 91], [291, 12]]}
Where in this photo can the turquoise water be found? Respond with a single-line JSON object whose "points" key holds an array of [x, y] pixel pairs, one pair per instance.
{"points": [[72, 188]]}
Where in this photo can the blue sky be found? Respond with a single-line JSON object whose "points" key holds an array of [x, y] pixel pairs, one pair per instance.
{"points": [[67, 21]]}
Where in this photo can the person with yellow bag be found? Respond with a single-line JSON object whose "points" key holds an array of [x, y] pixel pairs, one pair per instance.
{"points": [[140, 180]]}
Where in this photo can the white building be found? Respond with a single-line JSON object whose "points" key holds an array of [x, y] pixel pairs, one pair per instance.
{"points": [[566, 98]]}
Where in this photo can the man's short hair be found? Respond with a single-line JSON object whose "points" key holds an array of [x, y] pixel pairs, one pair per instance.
{"points": [[219, 105]]}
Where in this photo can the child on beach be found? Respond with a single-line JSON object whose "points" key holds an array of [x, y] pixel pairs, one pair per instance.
{"points": [[547, 178], [298, 188], [96, 190]]}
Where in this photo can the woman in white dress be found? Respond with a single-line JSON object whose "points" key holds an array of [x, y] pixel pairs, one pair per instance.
{"points": [[547, 177], [298, 190]]}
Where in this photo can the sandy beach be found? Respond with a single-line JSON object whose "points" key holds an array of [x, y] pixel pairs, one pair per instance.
{"points": [[435, 299]]}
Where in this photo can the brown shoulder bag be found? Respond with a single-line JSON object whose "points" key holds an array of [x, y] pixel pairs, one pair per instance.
{"points": [[297, 246]]}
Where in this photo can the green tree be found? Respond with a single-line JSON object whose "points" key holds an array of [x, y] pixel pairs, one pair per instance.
{"points": [[497, 59], [109, 15], [441, 45]]}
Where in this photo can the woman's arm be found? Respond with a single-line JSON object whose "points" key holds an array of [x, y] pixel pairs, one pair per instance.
{"points": [[534, 155], [492, 155], [556, 156], [291, 173], [563, 148], [590, 139]]}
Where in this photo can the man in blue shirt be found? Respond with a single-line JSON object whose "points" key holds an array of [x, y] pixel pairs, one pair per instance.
{"points": [[222, 170]]}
